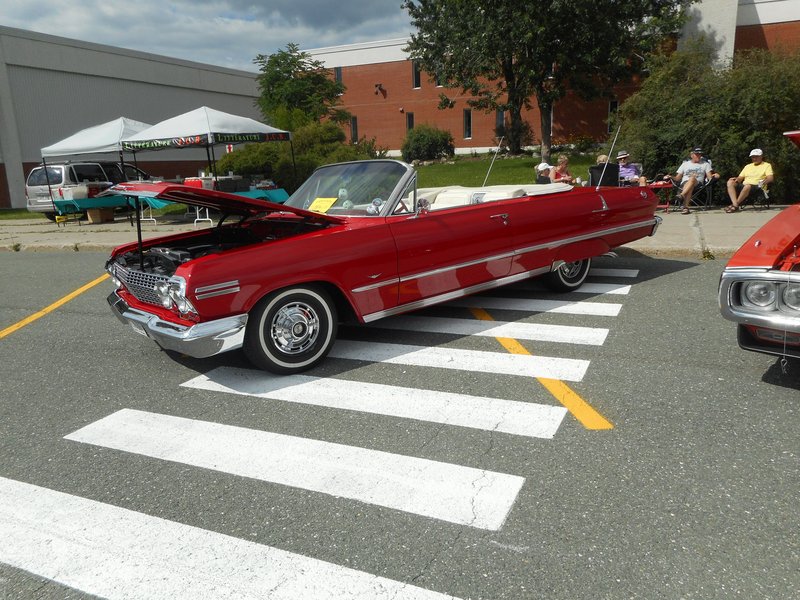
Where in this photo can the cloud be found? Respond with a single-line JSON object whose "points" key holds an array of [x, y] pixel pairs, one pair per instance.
{"points": [[227, 33]]}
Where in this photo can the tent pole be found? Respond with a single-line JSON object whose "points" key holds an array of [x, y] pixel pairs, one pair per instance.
{"points": [[213, 164], [137, 208], [49, 190]]}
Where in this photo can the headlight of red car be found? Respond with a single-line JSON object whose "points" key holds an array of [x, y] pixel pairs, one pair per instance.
{"points": [[766, 296], [791, 296], [759, 294], [172, 294]]}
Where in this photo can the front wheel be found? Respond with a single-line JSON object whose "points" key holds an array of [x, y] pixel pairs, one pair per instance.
{"points": [[569, 276], [291, 330]]}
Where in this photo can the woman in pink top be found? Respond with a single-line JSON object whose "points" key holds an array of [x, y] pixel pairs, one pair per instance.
{"points": [[561, 172]]}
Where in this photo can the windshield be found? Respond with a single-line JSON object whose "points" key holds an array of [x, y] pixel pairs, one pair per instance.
{"points": [[359, 189]]}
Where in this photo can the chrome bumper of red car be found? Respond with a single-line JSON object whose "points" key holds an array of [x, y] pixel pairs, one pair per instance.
{"points": [[769, 328], [199, 341]]}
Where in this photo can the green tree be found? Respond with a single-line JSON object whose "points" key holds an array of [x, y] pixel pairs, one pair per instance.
{"points": [[503, 52], [296, 89], [727, 112]]}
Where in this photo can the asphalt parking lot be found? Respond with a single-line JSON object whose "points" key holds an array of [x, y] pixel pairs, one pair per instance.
{"points": [[688, 492]]}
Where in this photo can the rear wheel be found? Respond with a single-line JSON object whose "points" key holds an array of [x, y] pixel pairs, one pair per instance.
{"points": [[291, 330], [50, 216], [569, 276]]}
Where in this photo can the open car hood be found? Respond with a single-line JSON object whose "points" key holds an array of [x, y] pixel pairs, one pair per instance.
{"points": [[224, 202]]}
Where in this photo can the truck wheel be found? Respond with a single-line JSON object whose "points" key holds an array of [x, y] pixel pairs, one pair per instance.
{"points": [[291, 330], [50, 216], [569, 276]]}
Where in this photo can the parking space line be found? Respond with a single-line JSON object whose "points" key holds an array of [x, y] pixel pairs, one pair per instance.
{"points": [[48, 309], [577, 406]]}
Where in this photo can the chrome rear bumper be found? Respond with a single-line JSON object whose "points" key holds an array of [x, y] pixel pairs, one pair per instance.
{"points": [[199, 341]]}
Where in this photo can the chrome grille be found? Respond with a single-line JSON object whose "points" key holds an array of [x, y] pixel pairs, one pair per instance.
{"points": [[141, 285]]}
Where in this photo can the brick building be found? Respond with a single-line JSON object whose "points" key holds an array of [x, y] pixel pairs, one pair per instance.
{"points": [[387, 95]]}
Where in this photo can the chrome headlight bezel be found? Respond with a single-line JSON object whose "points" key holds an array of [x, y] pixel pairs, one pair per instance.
{"points": [[172, 294]]}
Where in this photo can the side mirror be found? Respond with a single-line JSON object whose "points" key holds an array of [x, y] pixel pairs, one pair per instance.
{"points": [[423, 206]]}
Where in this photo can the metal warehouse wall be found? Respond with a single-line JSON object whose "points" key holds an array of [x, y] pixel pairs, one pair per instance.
{"points": [[51, 87]]}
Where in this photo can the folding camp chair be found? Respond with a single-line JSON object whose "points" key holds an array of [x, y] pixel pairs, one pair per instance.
{"points": [[702, 195], [604, 174]]}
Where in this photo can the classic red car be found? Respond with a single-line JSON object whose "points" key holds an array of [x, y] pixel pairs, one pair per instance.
{"points": [[357, 241]]}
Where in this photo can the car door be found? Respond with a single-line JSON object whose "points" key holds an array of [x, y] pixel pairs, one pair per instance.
{"points": [[555, 226], [454, 248]]}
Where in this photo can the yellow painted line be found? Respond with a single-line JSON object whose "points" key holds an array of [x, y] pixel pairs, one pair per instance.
{"points": [[577, 406], [51, 308]]}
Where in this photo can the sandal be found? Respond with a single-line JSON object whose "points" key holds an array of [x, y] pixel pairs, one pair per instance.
{"points": [[731, 209], [685, 211]]}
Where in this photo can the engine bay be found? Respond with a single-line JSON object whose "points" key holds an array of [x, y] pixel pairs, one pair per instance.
{"points": [[164, 259]]}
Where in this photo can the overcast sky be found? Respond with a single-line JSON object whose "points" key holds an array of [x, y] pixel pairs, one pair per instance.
{"points": [[228, 33]]}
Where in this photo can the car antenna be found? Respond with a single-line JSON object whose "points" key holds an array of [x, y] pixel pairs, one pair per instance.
{"points": [[494, 157], [610, 153]]}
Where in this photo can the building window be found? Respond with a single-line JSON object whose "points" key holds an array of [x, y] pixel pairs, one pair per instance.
{"points": [[500, 123], [409, 121], [613, 105], [416, 75], [337, 74], [467, 123], [354, 129]]}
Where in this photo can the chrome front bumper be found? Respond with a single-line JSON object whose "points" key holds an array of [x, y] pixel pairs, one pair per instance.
{"points": [[199, 341], [732, 309]]}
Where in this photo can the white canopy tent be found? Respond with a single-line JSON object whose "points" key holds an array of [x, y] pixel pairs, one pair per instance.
{"points": [[203, 128], [103, 138]]}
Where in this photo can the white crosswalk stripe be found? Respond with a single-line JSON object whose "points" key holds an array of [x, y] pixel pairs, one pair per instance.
{"points": [[566, 334], [475, 361], [613, 289], [119, 554], [600, 272], [490, 414], [597, 309], [452, 493]]}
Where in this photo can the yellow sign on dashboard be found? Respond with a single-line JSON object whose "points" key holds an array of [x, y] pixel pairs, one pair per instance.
{"points": [[321, 205]]}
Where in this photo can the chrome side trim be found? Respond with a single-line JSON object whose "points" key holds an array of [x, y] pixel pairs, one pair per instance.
{"points": [[454, 294], [470, 263], [586, 236], [374, 286], [217, 289]]}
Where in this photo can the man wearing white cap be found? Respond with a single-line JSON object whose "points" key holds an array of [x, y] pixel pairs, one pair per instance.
{"points": [[543, 173], [758, 173]]}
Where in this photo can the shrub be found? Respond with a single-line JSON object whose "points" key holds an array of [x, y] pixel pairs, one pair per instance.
{"points": [[427, 143]]}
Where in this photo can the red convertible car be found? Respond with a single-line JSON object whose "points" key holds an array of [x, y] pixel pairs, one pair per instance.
{"points": [[356, 241], [760, 287]]}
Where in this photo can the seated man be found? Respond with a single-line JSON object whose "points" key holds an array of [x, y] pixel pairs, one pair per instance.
{"points": [[691, 173], [757, 173], [629, 172], [543, 173]]}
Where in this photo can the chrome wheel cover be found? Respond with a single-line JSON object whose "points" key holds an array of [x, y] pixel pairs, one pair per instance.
{"points": [[571, 270], [294, 328]]}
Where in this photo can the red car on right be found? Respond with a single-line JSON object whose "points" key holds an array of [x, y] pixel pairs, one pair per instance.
{"points": [[760, 287]]}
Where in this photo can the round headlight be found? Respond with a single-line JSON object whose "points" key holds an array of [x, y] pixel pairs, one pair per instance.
{"points": [[759, 293], [162, 291], [791, 296]]}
